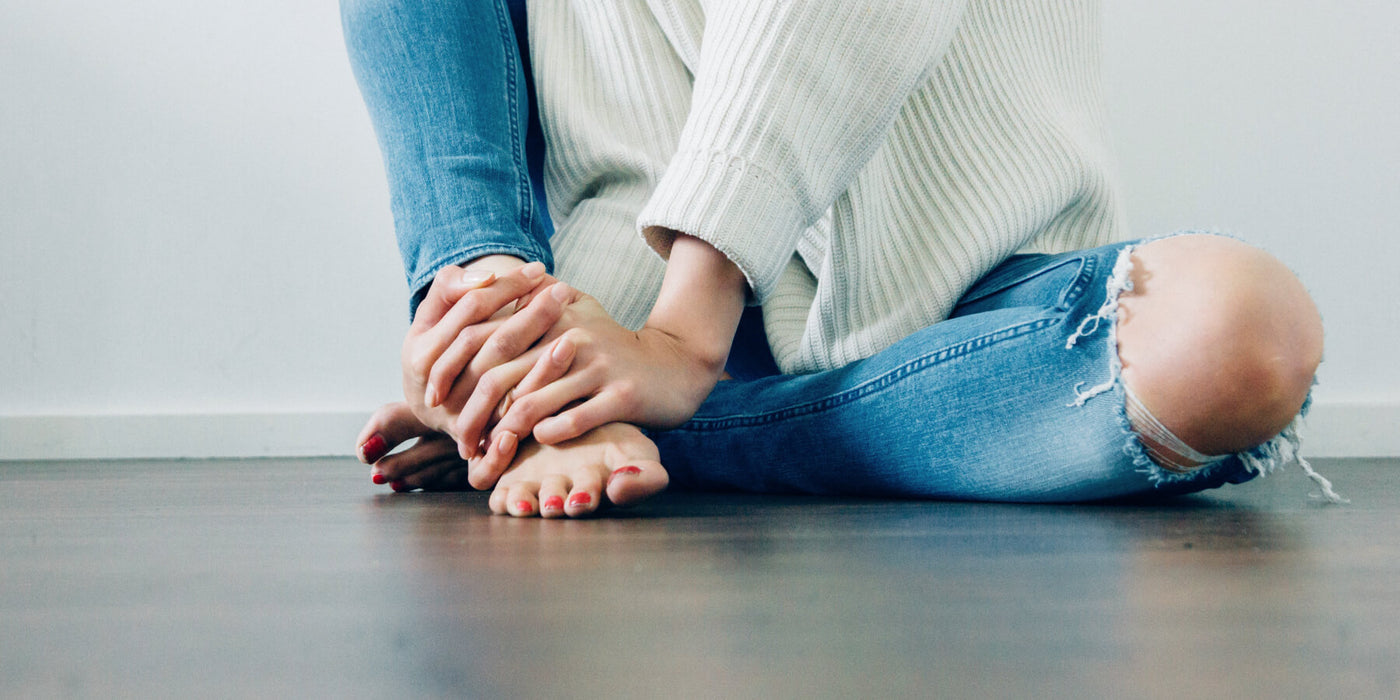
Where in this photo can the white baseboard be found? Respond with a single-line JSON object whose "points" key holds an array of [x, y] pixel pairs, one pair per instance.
{"points": [[180, 435], [1332, 430]]}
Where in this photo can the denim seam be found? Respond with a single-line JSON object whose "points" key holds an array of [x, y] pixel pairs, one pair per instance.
{"points": [[872, 385], [522, 172], [1088, 267]]}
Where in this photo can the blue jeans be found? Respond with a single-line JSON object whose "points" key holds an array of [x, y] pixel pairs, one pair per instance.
{"points": [[448, 88], [989, 404]]}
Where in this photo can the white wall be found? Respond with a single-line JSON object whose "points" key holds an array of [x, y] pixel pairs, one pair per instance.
{"points": [[196, 253]]}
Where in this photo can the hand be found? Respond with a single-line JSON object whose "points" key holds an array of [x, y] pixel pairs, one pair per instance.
{"points": [[465, 326], [650, 378]]}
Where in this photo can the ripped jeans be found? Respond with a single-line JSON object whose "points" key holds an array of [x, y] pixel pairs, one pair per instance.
{"points": [[1016, 397], [995, 402]]}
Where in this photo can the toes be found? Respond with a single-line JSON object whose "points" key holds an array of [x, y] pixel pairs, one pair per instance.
{"points": [[553, 492], [521, 500], [518, 499], [584, 498], [392, 424], [430, 477], [636, 481], [497, 501]]}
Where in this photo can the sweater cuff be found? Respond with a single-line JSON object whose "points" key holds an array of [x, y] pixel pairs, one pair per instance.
{"points": [[732, 204]]}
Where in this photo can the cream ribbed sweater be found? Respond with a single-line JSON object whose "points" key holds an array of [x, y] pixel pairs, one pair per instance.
{"points": [[864, 162]]}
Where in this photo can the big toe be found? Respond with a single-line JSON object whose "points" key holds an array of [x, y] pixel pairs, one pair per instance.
{"points": [[636, 481]]}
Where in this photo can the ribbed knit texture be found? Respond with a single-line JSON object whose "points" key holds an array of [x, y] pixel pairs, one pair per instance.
{"points": [[863, 161]]}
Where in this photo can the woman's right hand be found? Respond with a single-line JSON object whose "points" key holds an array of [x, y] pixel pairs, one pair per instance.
{"points": [[467, 324]]}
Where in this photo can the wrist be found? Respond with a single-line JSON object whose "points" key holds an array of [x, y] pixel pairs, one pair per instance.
{"points": [[701, 300]]}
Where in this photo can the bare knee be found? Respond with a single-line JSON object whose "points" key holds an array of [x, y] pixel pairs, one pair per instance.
{"points": [[1218, 339]]}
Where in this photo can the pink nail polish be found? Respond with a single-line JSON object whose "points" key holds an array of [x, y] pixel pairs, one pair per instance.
{"points": [[624, 471], [580, 499], [553, 503], [524, 507], [374, 448]]}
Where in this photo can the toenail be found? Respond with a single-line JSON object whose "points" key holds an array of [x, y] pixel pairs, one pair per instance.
{"points": [[399, 485], [374, 448], [580, 499], [379, 478], [624, 471], [524, 506], [554, 503]]}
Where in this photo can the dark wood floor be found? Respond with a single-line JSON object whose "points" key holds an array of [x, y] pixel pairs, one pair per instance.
{"points": [[297, 577]]}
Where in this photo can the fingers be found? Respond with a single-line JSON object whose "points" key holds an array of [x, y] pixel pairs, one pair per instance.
{"points": [[552, 365], [523, 330], [489, 391], [501, 344], [489, 467], [449, 284], [604, 408], [427, 341], [389, 426], [527, 412], [449, 364]]}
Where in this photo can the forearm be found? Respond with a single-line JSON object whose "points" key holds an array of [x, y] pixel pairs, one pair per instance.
{"points": [[790, 101], [701, 300]]}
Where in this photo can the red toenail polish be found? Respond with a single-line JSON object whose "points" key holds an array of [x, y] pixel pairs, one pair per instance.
{"points": [[379, 478], [554, 503], [624, 471], [399, 485], [374, 448], [580, 499], [524, 506]]}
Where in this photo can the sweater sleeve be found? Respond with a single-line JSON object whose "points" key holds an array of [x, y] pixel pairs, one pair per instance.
{"points": [[791, 99]]}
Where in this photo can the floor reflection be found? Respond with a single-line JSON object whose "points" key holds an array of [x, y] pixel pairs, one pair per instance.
{"points": [[844, 588]]}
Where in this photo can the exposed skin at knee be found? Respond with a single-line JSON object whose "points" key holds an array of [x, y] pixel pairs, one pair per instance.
{"points": [[1218, 339]]}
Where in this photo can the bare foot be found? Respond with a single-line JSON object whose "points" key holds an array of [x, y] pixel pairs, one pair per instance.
{"points": [[430, 463], [614, 464]]}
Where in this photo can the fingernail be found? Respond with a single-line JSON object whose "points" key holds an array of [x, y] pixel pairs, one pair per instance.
{"points": [[430, 396], [379, 478], [562, 350], [399, 485], [580, 499], [505, 444], [374, 448], [553, 503], [477, 278], [624, 471], [533, 271], [559, 291], [524, 506]]}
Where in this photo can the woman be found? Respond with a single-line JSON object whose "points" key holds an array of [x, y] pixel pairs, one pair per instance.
{"points": [[917, 197]]}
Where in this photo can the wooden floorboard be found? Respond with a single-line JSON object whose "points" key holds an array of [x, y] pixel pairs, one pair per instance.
{"points": [[297, 577]]}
